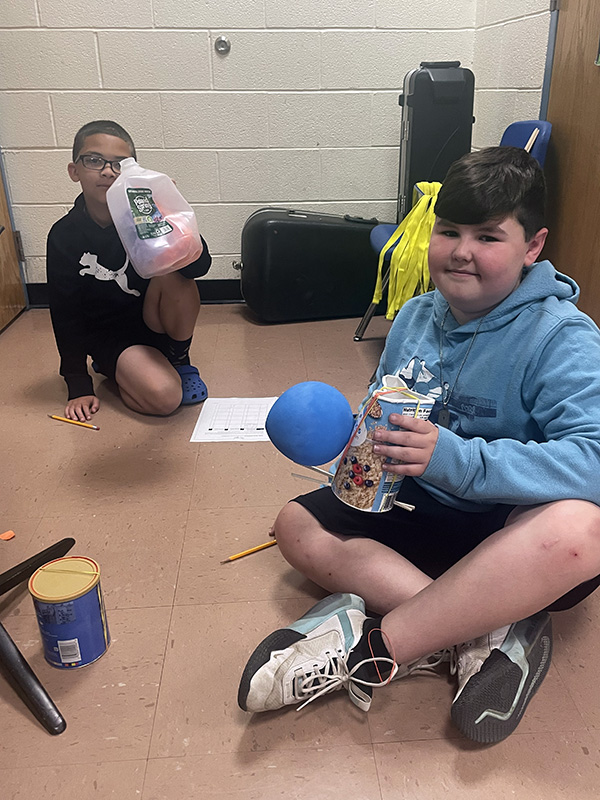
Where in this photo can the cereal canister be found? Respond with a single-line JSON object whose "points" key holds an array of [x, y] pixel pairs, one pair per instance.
{"points": [[360, 480], [70, 611]]}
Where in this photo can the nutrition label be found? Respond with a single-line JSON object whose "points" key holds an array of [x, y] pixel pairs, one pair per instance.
{"points": [[233, 419]]}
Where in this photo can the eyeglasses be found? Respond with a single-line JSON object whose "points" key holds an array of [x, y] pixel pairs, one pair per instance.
{"points": [[98, 163]]}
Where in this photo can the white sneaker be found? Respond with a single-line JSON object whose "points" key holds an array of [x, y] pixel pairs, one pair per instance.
{"points": [[309, 658], [498, 674], [324, 651]]}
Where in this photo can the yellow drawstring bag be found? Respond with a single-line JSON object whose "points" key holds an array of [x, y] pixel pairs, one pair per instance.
{"points": [[409, 271]]}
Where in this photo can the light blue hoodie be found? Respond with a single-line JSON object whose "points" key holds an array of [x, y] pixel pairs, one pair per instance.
{"points": [[525, 411]]}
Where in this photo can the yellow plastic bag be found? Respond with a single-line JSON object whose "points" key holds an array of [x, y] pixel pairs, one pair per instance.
{"points": [[409, 271]]}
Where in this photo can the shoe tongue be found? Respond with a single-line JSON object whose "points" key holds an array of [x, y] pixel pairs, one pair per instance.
{"points": [[361, 696], [471, 655], [498, 636]]}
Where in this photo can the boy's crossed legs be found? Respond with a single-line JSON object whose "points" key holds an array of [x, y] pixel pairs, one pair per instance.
{"points": [[542, 553], [149, 381]]}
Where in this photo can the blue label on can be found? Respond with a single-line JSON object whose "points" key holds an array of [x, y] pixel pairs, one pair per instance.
{"points": [[75, 632]]}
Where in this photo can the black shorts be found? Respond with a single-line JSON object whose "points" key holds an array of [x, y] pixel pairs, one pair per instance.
{"points": [[433, 537], [107, 348]]}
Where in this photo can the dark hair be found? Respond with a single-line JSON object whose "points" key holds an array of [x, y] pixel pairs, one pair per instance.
{"points": [[101, 126], [494, 183]]}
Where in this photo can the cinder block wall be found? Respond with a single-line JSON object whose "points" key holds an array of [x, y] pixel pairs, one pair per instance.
{"points": [[302, 112], [511, 40]]}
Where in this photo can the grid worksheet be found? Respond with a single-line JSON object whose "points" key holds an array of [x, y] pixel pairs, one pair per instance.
{"points": [[233, 419]]}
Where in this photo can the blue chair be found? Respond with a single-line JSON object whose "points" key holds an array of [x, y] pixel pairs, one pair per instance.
{"points": [[518, 134]]}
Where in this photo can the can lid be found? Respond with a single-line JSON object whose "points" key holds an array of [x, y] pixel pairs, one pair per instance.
{"points": [[64, 579]]}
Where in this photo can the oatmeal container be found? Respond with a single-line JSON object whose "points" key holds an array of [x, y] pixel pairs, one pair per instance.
{"points": [[360, 480]]}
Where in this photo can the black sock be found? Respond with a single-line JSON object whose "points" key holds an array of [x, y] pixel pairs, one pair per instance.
{"points": [[178, 352], [371, 645]]}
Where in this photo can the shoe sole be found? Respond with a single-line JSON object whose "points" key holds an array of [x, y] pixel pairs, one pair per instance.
{"points": [[286, 637], [494, 700]]}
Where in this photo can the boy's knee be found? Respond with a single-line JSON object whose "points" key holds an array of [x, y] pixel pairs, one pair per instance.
{"points": [[292, 530], [287, 521], [161, 401], [573, 535], [174, 284], [166, 402], [577, 517]]}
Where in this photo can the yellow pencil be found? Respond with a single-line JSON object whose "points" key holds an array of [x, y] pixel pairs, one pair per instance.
{"points": [[248, 552], [74, 422]]}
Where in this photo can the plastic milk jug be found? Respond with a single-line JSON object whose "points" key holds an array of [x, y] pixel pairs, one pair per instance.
{"points": [[156, 225]]}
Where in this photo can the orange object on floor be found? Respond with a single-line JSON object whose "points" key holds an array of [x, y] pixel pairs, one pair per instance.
{"points": [[7, 535]]}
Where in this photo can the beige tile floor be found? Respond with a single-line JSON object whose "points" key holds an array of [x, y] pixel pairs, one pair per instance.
{"points": [[156, 718]]}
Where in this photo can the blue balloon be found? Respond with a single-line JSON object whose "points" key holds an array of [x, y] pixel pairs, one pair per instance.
{"points": [[310, 423]]}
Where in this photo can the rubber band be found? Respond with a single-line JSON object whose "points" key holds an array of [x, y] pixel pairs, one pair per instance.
{"points": [[390, 648]]}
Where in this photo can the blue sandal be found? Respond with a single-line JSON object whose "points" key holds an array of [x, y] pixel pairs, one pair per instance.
{"points": [[194, 388]]}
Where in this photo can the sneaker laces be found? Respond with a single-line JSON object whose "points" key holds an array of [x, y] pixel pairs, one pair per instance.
{"points": [[431, 662], [335, 675]]}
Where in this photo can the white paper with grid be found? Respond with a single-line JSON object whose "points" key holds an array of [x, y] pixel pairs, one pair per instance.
{"points": [[233, 419]]}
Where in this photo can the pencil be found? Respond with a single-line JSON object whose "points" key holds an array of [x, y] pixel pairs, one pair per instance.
{"points": [[307, 478], [74, 422], [319, 470], [531, 140], [251, 550]]}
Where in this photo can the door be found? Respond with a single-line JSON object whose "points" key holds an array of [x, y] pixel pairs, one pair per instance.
{"points": [[12, 295], [573, 163]]}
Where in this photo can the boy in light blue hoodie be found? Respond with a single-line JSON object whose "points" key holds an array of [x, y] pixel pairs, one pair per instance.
{"points": [[504, 477]]}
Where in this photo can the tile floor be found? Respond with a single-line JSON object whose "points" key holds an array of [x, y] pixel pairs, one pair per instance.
{"points": [[156, 717]]}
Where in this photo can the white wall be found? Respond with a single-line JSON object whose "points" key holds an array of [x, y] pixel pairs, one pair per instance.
{"points": [[509, 58], [302, 112]]}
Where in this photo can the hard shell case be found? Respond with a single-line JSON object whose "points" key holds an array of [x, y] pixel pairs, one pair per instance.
{"points": [[437, 123], [302, 265]]}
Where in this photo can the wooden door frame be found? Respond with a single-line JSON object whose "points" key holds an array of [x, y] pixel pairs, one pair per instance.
{"points": [[12, 280], [573, 164]]}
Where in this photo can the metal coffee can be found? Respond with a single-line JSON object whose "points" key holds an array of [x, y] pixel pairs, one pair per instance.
{"points": [[70, 611]]}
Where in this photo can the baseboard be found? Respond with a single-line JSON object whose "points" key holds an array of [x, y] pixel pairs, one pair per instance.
{"points": [[212, 291]]}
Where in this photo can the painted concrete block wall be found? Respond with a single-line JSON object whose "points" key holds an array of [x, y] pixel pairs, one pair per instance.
{"points": [[302, 112], [511, 41]]}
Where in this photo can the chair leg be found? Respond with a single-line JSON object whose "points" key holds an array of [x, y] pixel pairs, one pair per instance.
{"points": [[27, 685], [13, 577], [368, 316]]}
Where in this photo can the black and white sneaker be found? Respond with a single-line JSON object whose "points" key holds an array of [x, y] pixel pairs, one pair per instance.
{"points": [[310, 658], [498, 674], [333, 646]]}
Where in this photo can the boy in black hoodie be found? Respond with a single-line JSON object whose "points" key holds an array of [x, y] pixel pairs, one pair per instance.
{"points": [[137, 331]]}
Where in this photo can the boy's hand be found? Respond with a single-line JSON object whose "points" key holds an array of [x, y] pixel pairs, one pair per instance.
{"points": [[412, 446], [82, 408]]}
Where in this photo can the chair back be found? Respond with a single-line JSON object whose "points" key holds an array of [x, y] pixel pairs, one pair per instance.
{"points": [[518, 134]]}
